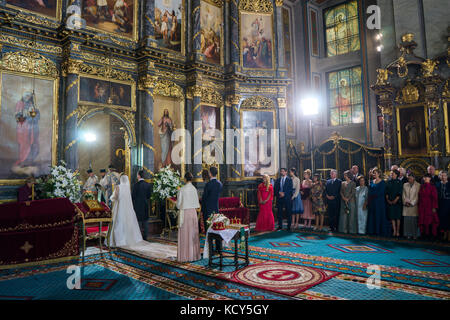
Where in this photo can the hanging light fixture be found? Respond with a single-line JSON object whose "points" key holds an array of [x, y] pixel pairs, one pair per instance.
{"points": [[33, 95], [110, 100]]}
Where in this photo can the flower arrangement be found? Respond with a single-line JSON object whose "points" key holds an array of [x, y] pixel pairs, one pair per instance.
{"points": [[216, 218], [60, 183], [166, 184]]}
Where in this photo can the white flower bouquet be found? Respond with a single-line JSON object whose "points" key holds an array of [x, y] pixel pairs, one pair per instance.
{"points": [[60, 183], [166, 184], [217, 217]]}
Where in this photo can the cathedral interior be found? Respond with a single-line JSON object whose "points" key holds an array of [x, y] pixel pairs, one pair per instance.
{"points": [[99, 83]]}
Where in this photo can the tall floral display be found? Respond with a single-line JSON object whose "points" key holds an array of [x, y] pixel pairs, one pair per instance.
{"points": [[60, 183], [166, 184]]}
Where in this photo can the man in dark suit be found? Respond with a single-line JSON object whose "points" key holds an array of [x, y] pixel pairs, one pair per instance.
{"points": [[333, 193], [283, 192], [211, 194], [141, 194]]}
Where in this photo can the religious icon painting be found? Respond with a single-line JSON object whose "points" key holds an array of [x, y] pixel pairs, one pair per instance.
{"points": [[168, 116], [48, 8], [412, 131], [212, 134], [256, 30], [28, 109], [95, 91], [211, 33], [260, 150], [118, 17], [169, 21]]}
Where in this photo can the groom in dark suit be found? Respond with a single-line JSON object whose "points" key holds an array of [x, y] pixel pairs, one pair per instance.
{"points": [[333, 193], [211, 194], [283, 192], [141, 194]]}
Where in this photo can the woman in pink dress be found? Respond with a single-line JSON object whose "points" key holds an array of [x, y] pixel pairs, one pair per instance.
{"points": [[265, 220], [305, 190]]}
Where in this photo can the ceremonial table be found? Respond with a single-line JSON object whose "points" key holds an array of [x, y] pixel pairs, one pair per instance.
{"points": [[226, 235], [38, 231]]}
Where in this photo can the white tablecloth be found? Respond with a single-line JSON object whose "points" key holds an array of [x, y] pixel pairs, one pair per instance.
{"points": [[226, 235]]}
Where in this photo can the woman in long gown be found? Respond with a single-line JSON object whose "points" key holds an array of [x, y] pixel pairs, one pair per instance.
{"points": [[188, 237], [306, 198], [362, 193], [428, 205], [297, 205], [377, 223], [318, 202], [125, 229], [394, 190], [444, 205], [347, 217], [265, 220]]}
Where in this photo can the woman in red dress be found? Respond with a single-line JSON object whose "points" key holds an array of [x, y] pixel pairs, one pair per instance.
{"points": [[428, 204], [265, 220]]}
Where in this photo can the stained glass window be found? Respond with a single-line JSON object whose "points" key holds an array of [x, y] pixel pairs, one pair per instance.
{"points": [[342, 31], [345, 97]]}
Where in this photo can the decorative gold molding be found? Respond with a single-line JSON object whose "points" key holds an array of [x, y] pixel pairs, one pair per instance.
{"points": [[234, 99], [279, 3], [259, 6], [210, 95], [258, 102], [129, 117], [428, 67], [266, 90], [29, 44], [70, 145], [194, 91], [108, 61], [29, 62], [148, 146], [147, 82], [168, 88], [37, 20], [281, 103], [218, 3], [80, 112], [410, 93]]}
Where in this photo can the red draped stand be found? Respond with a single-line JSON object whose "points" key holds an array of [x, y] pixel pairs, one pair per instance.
{"points": [[38, 232], [232, 207]]}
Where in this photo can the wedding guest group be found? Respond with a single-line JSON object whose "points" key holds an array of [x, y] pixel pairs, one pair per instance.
{"points": [[391, 204]]}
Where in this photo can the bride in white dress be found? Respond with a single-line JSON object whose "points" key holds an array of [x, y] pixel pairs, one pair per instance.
{"points": [[126, 233]]}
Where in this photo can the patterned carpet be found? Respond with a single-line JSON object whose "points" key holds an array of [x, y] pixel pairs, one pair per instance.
{"points": [[283, 266]]}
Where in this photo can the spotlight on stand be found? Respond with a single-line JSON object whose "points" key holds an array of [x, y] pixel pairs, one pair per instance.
{"points": [[310, 108], [90, 137]]}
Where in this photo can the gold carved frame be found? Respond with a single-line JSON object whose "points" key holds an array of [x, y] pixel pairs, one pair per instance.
{"points": [[58, 11], [183, 30], [166, 88], [95, 104], [135, 25], [261, 104], [128, 131], [399, 132], [30, 64], [262, 7], [218, 4]]}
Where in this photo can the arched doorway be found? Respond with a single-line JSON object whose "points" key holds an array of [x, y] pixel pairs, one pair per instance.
{"points": [[104, 140]]}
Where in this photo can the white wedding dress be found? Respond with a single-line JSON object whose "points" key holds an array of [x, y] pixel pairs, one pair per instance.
{"points": [[126, 233]]}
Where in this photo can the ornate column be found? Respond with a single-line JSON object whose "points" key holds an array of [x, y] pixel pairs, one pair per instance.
{"points": [[431, 83], [146, 85], [234, 36], [70, 71], [196, 37], [278, 23], [386, 93], [195, 92], [282, 116], [149, 17], [235, 169]]}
